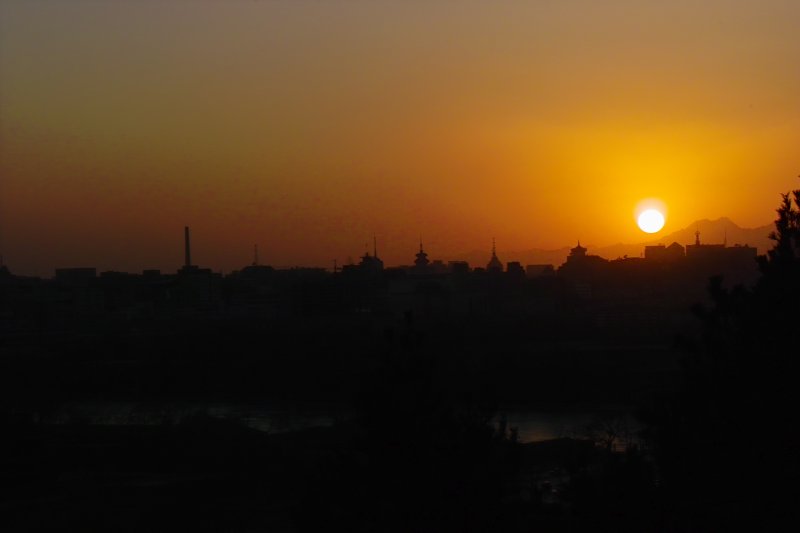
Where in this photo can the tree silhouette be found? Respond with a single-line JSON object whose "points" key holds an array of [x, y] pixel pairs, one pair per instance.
{"points": [[727, 444], [787, 232]]}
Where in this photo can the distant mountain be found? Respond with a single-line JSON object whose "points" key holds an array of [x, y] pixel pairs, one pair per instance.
{"points": [[711, 232], [717, 231]]}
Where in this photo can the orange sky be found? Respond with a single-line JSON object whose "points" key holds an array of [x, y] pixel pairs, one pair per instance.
{"points": [[308, 126]]}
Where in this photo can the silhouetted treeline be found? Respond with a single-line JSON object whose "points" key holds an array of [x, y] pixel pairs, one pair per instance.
{"points": [[728, 445], [112, 389]]}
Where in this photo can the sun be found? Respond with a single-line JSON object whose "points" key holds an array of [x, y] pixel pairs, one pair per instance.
{"points": [[651, 221]]}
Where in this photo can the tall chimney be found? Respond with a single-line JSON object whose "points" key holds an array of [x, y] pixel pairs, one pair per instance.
{"points": [[188, 246]]}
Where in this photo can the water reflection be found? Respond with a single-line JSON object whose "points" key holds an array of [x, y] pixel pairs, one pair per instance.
{"points": [[263, 417], [612, 427]]}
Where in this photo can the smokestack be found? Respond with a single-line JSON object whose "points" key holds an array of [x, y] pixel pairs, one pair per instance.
{"points": [[188, 246]]}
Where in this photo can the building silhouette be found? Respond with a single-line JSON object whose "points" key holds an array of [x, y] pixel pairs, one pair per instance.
{"points": [[494, 264], [75, 276], [514, 269], [660, 253], [458, 267], [582, 266], [421, 263], [195, 286], [371, 264], [577, 254], [533, 271]]}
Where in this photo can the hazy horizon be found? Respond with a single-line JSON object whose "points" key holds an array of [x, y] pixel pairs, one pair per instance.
{"points": [[308, 127], [475, 256]]}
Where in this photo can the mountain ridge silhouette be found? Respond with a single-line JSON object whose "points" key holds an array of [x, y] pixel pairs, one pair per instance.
{"points": [[716, 231]]}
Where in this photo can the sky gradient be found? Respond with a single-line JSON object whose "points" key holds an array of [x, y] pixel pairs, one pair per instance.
{"points": [[307, 127]]}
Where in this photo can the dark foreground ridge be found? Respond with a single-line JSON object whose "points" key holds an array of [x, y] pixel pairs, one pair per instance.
{"points": [[641, 394]]}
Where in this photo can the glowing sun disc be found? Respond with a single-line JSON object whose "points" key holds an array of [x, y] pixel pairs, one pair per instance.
{"points": [[651, 221]]}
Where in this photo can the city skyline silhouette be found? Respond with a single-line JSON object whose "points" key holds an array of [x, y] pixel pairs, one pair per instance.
{"points": [[380, 266], [309, 128], [756, 237]]}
